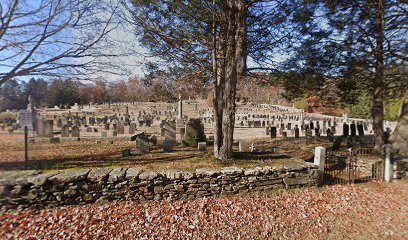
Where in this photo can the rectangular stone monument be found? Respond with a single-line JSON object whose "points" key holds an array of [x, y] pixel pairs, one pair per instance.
{"points": [[202, 146], [75, 131], [120, 127], [65, 131], [243, 147], [273, 132]]}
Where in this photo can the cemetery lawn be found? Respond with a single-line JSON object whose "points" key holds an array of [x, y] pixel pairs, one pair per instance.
{"points": [[89, 154], [362, 211]]}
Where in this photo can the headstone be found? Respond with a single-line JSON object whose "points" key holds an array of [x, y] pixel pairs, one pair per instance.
{"points": [[120, 127], [104, 134], [194, 132], [353, 130], [202, 146], [345, 130], [243, 147], [114, 133], [296, 132], [142, 144], [285, 134], [309, 135], [168, 145], [273, 132], [65, 131], [360, 130], [75, 131], [132, 128]]}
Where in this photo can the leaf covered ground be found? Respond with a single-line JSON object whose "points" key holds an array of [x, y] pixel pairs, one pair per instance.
{"points": [[366, 211]]}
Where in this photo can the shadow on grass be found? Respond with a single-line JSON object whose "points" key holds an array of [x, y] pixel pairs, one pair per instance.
{"points": [[259, 156], [105, 160]]}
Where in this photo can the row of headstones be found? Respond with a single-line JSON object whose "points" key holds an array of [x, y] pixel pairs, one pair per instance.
{"points": [[351, 130]]}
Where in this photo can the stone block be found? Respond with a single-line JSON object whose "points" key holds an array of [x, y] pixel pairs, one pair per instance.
{"points": [[117, 174], [39, 180], [231, 170], [99, 174], [289, 182], [69, 176], [133, 173], [148, 175]]}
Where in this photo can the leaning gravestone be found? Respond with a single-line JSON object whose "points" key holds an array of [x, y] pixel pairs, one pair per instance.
{"points": [[194, 132]]}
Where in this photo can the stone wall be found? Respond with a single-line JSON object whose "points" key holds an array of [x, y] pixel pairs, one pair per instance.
{"points": [[400, 168], [35, 189]]}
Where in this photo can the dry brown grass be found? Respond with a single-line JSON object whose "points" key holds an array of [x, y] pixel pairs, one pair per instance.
{"points": [[88, 154]]}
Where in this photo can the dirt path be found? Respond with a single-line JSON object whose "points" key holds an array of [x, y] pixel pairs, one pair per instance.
{"points": [[365, 211]]}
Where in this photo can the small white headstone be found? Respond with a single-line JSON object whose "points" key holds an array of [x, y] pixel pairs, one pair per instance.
{"points": [[320, 157]]}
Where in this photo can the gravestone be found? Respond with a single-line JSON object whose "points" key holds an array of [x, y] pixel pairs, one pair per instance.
{"points": [[296, 132], [114, 133], [104, 134], [142, 143], [243, 147], [267, 130], [353, 130], [273, 132], [284, 134], [317, 132], [107, 126], [330, 135], [202, 146], [65, 131], [75, 131], [345, 130], [360, 130], [309, 135], [120, 127], [194, 132], [132, 128]]}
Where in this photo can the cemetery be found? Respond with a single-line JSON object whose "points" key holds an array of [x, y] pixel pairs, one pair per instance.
{"points": [[221, 119], [152, 151]]}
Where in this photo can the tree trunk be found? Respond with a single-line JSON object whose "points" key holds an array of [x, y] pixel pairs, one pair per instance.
{"points": [[226, 152], [399, 137], [219, 72], [230, 62], [378, 106]]}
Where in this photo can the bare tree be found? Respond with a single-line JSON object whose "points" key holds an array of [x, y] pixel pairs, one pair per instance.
{"points": [[56, 38]]}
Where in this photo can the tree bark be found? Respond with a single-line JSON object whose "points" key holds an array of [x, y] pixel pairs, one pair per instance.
{"points": [[378, 105], [231, 63], [399, 137]]}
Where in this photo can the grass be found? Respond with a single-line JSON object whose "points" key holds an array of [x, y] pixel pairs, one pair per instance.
{"points": [[89, 154]]}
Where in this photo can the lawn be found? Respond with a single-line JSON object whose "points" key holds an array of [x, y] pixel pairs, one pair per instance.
{"points": [[89, 154]]}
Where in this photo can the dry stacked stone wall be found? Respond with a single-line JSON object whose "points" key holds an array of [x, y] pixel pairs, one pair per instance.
{"points": [[33, 189]]}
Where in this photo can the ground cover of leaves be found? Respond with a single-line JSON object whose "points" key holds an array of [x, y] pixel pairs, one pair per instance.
{"points": [[366, 211]]}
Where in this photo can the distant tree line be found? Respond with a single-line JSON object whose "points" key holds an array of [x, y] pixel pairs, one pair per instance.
{"points": [[65, 93]]}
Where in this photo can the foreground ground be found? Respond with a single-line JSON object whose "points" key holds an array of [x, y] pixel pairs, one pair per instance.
{"points": [[366, 211]]}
